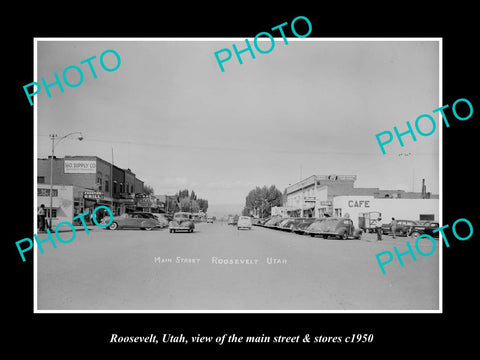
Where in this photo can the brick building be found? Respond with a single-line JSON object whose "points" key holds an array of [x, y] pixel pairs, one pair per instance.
{"points": [[101, 182]]}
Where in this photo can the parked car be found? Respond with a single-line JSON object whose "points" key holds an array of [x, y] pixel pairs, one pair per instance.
{"points": [[182, 221], [232, 220], [244, 222], [274, 221], [307, 225], [209, 220], [257, 221], [160, 217], [281, 225], [263, 221], [402, 227], [134, 220], [289, 223], [340, 227], [426, 227]]}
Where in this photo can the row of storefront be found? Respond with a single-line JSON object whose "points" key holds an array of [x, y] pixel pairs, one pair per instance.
{"points": [[82, 183], [335, 195]]}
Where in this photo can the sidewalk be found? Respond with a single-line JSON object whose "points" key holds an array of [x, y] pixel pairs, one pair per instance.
{"points": [[69, 229]]}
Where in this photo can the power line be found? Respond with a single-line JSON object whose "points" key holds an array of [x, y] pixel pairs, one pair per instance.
{"points": [[246, 149]]}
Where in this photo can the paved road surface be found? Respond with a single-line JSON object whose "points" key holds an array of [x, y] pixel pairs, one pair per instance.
{"points": [[130, 270]]}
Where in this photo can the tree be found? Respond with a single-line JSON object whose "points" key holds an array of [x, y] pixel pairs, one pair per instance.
{"points": [[148, 189], [193, 196], [185, 205], [261, 200]]}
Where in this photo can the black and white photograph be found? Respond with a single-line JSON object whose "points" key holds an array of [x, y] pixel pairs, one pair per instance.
{"points": [[219, 179], [197, 183]]}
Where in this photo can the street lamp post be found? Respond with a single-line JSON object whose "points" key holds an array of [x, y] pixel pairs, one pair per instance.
{"points": [[53, 137]]}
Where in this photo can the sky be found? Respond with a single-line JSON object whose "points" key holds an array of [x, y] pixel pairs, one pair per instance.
{"points": [[309, 107]]}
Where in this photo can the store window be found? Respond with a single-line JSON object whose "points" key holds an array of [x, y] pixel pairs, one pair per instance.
{"points": [[338, 212], [99, 181], [429, 217], [107, 183], [40, 179], [115, 187], [54, 213]]}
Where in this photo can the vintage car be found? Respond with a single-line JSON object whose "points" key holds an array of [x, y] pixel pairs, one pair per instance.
{"points": [[160, 217], [210, 220], [426, 227], [257, 221], [232, 220], [402, 227], [289, 223], [273, 222], [300, 226], [134, 220], [340, 227], [244, 222], [182, 221]]}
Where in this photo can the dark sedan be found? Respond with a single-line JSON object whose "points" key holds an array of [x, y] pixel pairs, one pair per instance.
{"points": [[300, 226], [424, 228]]}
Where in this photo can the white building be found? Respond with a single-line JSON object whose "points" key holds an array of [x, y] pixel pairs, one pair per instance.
{"points": [[314, 197], [400, 209], [68, 201]]}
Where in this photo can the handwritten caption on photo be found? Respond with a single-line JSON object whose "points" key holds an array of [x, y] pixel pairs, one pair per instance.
{"points": [[63, 223], [236, 339]]}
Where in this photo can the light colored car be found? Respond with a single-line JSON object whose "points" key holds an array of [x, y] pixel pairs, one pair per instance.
{"points": [[210, 220], [244, 222], [182, 221], [134, 220]]}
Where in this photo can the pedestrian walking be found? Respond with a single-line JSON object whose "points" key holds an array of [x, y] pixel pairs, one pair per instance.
{"points": [[394, 227], [379, 229], [41, 218]]}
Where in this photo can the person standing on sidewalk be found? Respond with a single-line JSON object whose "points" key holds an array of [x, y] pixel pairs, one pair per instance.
{"points": [[379, 229], [394, 227], [41, 218]]}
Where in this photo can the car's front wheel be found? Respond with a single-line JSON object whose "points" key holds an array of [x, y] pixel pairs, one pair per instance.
{"points": [[148, 228], [415, 234], [113, 226]]}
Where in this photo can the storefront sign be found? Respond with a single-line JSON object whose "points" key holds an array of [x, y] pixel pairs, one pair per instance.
{"points": [[309, 199], [93, 194], [359, 203], [46, 192], [80, 166], [325, 203], [146, 202]]}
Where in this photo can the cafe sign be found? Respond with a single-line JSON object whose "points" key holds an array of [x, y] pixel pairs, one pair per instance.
{"points": [[96, 195]]}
